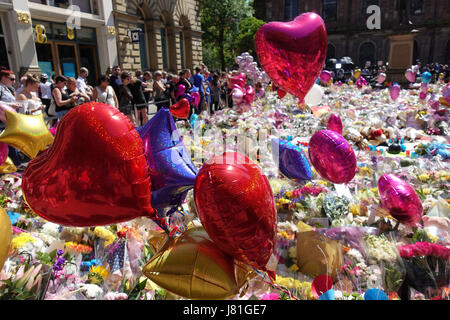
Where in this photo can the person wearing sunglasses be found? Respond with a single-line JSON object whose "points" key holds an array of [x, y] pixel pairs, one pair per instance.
{"points": [[7, 79]]}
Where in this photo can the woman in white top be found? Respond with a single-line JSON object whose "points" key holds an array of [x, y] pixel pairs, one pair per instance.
{"points": [[104, 93], [31, 103]]}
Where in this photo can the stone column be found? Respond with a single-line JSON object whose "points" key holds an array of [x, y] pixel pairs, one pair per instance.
{"points": [[106, 38], [22, 38], [154, 43], [400, 56]]}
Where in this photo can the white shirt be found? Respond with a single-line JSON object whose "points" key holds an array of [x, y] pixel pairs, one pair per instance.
{"points": [[81, 84], [46, 90]]}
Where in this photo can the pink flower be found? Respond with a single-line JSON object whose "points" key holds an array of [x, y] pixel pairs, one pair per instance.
{"points": [[271, 296], [406, 251], [422, 249]]}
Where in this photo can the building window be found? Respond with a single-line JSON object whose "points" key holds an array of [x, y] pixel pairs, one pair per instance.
{"points": [[290, 9], [164, 48], [329, 10], [366, 53], [416, 7], [143, 47], [182, 56], [3, 52], [87, 6]]}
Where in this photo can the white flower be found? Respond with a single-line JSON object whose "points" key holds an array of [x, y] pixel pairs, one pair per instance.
{"points": [[92, 291], [338, 295], [50, 229]]}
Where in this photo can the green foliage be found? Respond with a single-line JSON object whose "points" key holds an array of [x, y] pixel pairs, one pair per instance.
{"points": [[137, 291], [245, 40], [220, 21]]}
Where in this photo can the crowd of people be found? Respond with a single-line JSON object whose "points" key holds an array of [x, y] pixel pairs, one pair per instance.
{"points": [[131, 94]]}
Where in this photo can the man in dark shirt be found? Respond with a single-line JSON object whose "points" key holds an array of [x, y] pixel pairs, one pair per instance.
{"points": [[115, 80]]}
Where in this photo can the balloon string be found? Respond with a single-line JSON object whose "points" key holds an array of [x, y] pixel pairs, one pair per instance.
{"points": [[276, 286]]}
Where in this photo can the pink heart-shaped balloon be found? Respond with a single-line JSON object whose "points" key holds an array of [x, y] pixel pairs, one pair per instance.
{"points": [[249, 95], [293, 53], [410, 75], [196, 97], [180, 90], [394, 91], [400, 199], [381, 78], [335, 124], [325, 76]]}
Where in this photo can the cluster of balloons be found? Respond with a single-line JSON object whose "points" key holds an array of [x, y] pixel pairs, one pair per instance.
{"points": [[193, 97], [242, 94], [248, 66]]}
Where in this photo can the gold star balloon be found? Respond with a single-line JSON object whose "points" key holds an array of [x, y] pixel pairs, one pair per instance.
{"points": [[7, 166], [5, 236], [27, 133]]}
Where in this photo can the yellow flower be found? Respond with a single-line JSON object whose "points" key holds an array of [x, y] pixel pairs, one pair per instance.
{"points": [[105, 234], [424, 177], [433, 239], [426, 191], [289, 194], [294, 267], [284, 201], [21, 240], [292, 252], [97, 274]]}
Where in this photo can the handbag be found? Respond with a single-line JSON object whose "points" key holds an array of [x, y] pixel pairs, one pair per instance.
{"points": [[52, 109]]}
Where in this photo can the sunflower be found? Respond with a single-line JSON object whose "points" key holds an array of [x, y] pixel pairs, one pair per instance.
{"points": [[97, 275]]}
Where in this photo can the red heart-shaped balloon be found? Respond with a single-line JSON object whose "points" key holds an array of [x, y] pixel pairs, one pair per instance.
{"points": [[180, 109], [293, 53], [95, 173], [281, 93], [235, 204]]}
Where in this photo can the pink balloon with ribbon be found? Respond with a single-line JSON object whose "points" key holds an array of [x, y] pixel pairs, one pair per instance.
{"points": [[249, 96], [196, 97], [381, 78], [409, 74], [325, 76], [180, 90], [335, 123], [394, 91], [400, 199], [237, 95]]}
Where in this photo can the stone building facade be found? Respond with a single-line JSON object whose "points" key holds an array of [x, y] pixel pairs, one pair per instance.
{"points": [[158, 34], [348, 34], [60, 37]]}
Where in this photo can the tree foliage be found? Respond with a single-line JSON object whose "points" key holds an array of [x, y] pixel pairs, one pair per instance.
{"points": [[245, 40], [220, 21]]}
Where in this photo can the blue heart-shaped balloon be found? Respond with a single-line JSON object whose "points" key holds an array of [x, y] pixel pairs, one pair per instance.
{"points": [[291, 160]]}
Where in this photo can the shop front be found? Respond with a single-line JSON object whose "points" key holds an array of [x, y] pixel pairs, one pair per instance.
{"points": [[63, 51]]}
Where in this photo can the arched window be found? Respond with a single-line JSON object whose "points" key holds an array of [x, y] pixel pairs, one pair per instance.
{"points": [[366, 53], [142, 41], [185, 39], [329, 10], [165, 56], [331, 52]]}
